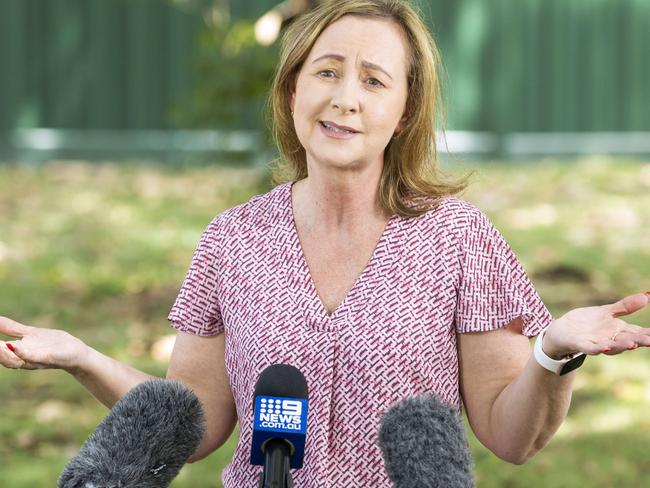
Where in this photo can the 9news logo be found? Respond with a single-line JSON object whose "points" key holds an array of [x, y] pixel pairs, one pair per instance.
{"points": [[281, 414]]}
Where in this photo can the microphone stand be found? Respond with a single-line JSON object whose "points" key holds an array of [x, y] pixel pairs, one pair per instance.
{"points": [[276, 465]]}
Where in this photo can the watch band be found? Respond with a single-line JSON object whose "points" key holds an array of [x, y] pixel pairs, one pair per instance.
{"points": [[557, 366]]}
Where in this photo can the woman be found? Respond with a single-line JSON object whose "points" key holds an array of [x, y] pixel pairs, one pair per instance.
{"points": [[362, 269]]}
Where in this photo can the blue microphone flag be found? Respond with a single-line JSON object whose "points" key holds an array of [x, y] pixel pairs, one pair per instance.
{"points": [[280, 407], [283, 415]]}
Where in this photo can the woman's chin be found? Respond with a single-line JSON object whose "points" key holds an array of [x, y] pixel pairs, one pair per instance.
{"points": [[332, 163]]}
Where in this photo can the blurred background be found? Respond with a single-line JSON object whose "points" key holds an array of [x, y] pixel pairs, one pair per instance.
{"points": [[125, 126]]}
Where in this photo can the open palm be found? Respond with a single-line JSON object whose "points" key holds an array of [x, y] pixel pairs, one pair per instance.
{"points": [[38, 348], [598, 330]]}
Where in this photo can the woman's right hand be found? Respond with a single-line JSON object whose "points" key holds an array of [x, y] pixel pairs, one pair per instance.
{"points": [[39, 348]]}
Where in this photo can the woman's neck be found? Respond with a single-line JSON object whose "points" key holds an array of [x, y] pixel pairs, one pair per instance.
{"points": [[338, 203]]}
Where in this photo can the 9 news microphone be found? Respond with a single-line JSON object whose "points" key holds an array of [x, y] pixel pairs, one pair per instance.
{"points": [[424, 445], [280, 424], [143, 442]]}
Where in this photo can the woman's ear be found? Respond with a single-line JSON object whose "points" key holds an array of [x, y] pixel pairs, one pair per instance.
{"points": [[402, 122], [292, 100]]}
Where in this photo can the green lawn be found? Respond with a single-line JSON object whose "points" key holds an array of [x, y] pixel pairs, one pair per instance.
{"points": [[101, 250]]}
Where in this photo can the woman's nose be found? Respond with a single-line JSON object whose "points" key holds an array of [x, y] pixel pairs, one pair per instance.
{"points": [[345, 97]]}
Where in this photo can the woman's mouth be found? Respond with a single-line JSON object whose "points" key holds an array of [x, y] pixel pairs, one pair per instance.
{"points": [[335, 132]]}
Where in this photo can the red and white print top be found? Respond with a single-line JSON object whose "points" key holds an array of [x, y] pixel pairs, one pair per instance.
{"points": [[431, 277]]}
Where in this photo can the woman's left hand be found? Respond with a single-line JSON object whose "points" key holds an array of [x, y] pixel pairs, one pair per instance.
{"points": [[597, 330]]}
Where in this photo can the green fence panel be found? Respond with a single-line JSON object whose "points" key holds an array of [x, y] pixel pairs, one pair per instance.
{"points": [[511, 65], [545, 65], [94, 64]]}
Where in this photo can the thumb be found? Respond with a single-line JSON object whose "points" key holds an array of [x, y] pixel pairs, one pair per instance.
{"points": [[629, 304]]}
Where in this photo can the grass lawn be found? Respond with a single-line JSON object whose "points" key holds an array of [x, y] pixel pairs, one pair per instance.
{"points": [[101, 250]]}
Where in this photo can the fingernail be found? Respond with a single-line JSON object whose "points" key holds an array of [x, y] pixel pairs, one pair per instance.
{"points": [[11, 348], [606, 349]]}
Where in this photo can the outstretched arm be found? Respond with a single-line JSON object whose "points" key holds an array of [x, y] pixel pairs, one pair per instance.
{"points": [[105, 378], [197, 362], [514, 405]]}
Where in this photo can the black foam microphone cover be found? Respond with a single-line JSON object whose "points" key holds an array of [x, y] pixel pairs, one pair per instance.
{"points": [[424, 445], [282, 380], [143, 442]]}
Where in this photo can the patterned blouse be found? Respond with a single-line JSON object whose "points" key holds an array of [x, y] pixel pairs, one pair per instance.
{"points": [[431, 277]]}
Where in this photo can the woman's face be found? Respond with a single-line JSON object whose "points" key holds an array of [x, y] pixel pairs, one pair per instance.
{"points": [[354, 76]]}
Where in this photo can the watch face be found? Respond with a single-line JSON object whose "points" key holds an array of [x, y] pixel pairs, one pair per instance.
{"points": [[574, 363]]}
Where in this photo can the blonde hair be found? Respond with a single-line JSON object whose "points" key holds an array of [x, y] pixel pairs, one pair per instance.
{"points": [[411, 182]]}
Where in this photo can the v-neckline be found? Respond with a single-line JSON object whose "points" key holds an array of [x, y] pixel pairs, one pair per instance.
{"points": [[317, 307]]}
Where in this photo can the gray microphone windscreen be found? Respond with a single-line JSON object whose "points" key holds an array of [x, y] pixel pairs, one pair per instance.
{"points": [[143, 442], [424, 445]]}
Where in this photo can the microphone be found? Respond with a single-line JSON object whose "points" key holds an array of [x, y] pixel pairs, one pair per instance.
{"points": [[279, 424], [143, 442], [424, 445]]}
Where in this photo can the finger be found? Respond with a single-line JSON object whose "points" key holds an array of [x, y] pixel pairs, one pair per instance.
{"points": [[12, 328], [8, 358], [629, 304], [629, 329], [594, 348], [15, 348], [634, 329], [629, 346], [608, 347], [634, 334]]}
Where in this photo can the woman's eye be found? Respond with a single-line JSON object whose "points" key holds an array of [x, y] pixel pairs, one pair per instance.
{"points": [[326, 71], [378, 83]]}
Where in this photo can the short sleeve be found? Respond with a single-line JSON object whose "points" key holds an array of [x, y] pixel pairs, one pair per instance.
{"points": [[196, 309], [494, 288]]}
